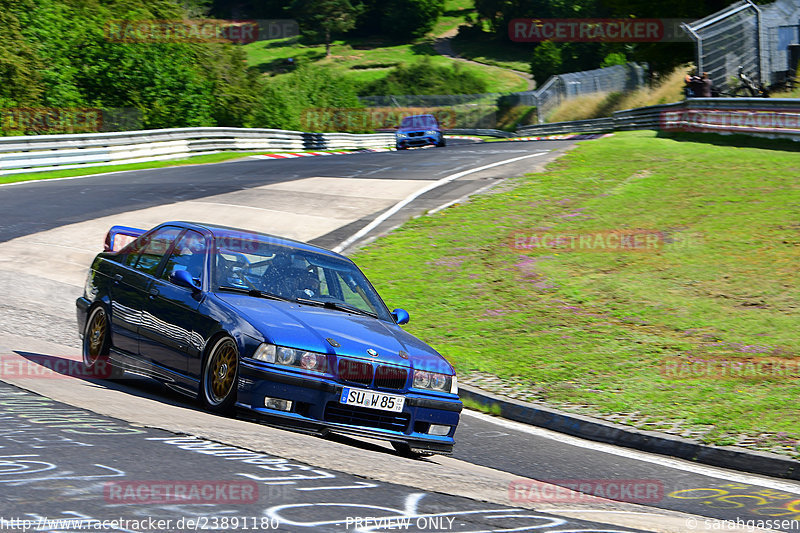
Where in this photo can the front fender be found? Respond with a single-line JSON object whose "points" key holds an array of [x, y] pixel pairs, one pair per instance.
{"points": [[229, 322]]}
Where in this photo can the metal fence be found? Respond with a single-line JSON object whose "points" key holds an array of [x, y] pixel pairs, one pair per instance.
{"points": [[463, 110], [479, 110], [429, 100], [602, 80], [756, 38], [780, 28]]}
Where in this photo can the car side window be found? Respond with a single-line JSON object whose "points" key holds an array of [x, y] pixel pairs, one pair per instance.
{"points": [[351, 293], [152, 248], [189, 254]]}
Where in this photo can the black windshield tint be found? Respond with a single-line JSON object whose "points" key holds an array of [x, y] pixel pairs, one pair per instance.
{"points": [[419, 121], [293, 273]]}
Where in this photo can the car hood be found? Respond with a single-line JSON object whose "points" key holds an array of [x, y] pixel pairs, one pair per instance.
{"points": [[308, 328]]}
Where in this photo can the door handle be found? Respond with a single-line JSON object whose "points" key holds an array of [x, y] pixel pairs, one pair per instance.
{"points": [[153, 292], [117, 278]]}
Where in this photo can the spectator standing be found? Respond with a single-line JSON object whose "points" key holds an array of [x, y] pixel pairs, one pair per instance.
{"points": [[706, 86], [694, 85]]}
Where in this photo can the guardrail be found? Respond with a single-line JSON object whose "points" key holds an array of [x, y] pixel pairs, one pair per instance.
{"points": [[764, 117], [771, 117], [39, 153], [483, 132], [595, 125]]}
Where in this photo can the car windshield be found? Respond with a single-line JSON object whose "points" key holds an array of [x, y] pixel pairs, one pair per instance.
{"points": [[419, 121], [268, 269]]}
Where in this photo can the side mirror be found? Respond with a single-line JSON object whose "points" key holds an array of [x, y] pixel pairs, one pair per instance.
{"points": [[401, 316], [182, 278]]}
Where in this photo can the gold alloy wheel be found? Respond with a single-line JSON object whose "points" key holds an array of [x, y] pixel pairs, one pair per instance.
{"points": [[95, 337], [222, 371]]}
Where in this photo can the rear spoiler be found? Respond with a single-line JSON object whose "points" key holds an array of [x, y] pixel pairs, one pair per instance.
{"points": [[120, 236]]}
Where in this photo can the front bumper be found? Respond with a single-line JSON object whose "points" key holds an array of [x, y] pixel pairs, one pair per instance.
{"points": [[316, 408]]}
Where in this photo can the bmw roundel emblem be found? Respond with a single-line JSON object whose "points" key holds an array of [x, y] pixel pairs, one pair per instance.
{"points": [[372, 352]]}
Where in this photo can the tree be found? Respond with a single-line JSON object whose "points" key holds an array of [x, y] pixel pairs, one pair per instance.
{"points": [[62, 57], [19, 64], [409, 19], [546, 61], [330, 16]]}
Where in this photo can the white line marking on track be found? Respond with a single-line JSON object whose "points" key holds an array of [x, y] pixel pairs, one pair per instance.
{"points": [[358, 485], [413, 196], [460, 200], [640, 456]]}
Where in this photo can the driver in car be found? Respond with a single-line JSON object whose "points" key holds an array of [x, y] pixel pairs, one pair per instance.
{"points": [[307, 284]]}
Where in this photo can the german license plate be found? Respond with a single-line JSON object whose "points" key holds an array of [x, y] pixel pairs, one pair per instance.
{"points": [[372, 400]]}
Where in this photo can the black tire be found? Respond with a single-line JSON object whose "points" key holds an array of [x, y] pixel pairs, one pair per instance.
{"points": [[442, 143], [220, 379], [402, 448], [96, 346]]}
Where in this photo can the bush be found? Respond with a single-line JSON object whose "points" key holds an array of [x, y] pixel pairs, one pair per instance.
{"points": [[284, 100], [614, 58], [423, 77]]}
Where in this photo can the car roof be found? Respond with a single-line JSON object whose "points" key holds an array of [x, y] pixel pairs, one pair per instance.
{"points": [[228, 231]]}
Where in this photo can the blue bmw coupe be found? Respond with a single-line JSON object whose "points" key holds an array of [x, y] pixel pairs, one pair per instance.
{"points": [[291, 332], [419, 130]]}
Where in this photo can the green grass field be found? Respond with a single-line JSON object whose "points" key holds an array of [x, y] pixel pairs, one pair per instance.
{"points": [[515, 56], [602, 330], [365, 60], [455, 13]]}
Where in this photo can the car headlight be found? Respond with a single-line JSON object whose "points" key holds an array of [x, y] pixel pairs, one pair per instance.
{"points": [[287, 356], [281, 355], [265, 353], [431, 132], [402, 135], [432, 381]]}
